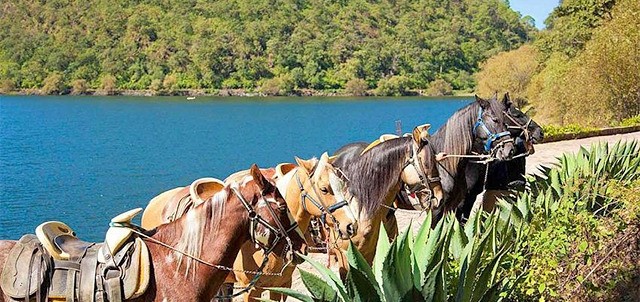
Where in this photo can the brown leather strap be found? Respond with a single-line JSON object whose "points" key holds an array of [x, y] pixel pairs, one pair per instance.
{"points": [[34, 254], [71, 286], [88, 275], [67, 265], [113, 288]]}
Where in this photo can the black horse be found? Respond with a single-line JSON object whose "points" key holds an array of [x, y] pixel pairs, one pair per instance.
{"points": [[503, 175], [477, 128]]}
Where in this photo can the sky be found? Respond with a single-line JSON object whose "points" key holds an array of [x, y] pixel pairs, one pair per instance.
{"points": [[538, 9]]}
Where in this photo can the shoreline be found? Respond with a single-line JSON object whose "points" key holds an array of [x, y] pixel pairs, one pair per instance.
{"points": [[229, 93]]}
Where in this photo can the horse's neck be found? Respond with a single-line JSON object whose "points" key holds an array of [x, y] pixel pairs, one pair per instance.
{"points": [[219, 247], [442, 141], [294, 201]]}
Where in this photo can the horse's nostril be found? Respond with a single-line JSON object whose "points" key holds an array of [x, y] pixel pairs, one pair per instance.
{"points": [[351, 229]]}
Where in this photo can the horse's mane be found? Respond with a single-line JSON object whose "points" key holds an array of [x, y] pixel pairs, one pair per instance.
{"points": [[372, 175], [205, 218], [456, 135], [239, 176]]}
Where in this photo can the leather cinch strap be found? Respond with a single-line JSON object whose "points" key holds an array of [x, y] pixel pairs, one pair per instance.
{"points": [[88, 269]]}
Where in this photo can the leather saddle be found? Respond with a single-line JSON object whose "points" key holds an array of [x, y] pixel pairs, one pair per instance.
{"points": [[189, 197], [56, 265], [282, 169]]}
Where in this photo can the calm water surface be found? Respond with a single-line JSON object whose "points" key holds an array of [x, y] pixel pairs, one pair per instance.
{"points": [[83, 160]]}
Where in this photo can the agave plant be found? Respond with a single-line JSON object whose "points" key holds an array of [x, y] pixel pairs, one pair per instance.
{"points": [[584, 175], [452, 262], [449, 262]]}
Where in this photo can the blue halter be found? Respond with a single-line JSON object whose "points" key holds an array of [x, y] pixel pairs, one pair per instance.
{"points": [[492, 136]]}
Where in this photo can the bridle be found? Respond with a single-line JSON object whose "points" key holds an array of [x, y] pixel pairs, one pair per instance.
{"points": [[255, 220], [491, 137], [325, 211], [426, 181], [523, 127]]}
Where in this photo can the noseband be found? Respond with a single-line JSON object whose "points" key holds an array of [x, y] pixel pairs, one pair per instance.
{"points": [[255, 220], [329, 210], [492, 137], [524, 128]]}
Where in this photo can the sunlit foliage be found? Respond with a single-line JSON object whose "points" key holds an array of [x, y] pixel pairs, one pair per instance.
{"points": [[201, 44]]}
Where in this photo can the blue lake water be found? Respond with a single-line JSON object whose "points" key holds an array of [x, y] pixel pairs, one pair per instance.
{"points": [[83, 160]]}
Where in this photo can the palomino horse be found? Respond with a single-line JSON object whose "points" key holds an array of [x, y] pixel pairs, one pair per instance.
{"points": [[502, 176], [312, 189], [189, 256], [376, 176]]}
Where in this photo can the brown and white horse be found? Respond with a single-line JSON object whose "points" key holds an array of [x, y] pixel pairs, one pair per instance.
{"points": [[212, 233]]}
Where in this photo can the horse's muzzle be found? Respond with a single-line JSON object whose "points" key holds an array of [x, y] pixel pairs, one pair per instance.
{"points": [[349, 231]]}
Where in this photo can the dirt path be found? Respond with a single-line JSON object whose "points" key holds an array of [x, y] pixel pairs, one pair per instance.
{"points": [[545, 154]]}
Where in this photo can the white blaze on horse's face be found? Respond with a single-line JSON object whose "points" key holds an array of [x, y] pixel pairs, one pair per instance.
{"points": [[338, 188], [263, 234]]}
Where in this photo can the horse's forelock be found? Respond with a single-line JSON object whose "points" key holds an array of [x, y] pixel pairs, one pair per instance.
{"points": [[321, 165]]}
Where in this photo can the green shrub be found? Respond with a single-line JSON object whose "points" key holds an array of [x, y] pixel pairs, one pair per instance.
{"points": [[574, 216], [553, 130], [356, 87], [231, 83], [7, 86], [632, 121], [439, 87], [156, 85], [449, 261], [283, 84], [169, 83], [54, 84], [393, 86], [79, 87], [108, 84]]}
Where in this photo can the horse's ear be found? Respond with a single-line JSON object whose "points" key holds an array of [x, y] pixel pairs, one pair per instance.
{"points": [[421, 134], [306, 164], [259, 178], [506, 100], [483, 103], [324, 157]]}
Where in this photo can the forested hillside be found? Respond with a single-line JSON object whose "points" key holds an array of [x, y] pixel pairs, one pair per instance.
{"points": [[583, 69], [280, 44]]}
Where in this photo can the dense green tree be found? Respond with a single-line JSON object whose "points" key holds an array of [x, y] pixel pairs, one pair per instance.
{"points": [[509, 71], [241, 43], [599, 85]]}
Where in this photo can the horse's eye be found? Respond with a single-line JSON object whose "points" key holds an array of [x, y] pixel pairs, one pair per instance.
{"points": [[324, 190]]}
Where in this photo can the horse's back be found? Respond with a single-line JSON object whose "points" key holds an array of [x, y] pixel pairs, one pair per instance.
{"points": [[152, 215]]}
